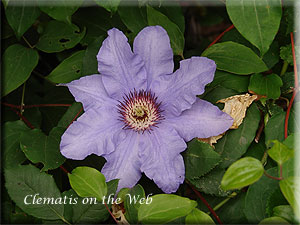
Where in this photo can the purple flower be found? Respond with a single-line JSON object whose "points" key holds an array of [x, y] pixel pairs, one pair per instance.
{"points": [[138, 113]]}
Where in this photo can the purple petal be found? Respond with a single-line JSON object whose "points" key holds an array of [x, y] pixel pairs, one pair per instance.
{"points": [[178, 91], [88, 90], [124, 162], [153, 45], [203, 120], [122, 70], [161, 159], [96, 131]]}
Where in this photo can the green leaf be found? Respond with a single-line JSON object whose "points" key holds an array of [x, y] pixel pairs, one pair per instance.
{"points": [[274, 128], [135, 18], [132, 200], [97, 22], [286, 54], [25, 182], [59, 36], [288, 168], [290, 191], [211, 183], [75, 110], [274, 220], [176, 36], [198, 217], [235, 58], [88, 182], [267, 85], [199, 159], [21, 15], [18, 63], [232, 81], [236, 142], [257, 21], [173, 12], [280, 152], [69, 69], [286, 212], [242, 173], [257, 197], [41, 148], [233, 212], [89, 62], [61, 11], [12, 154], [165, 208], [276, 198], [93, 213], [109, 5]]}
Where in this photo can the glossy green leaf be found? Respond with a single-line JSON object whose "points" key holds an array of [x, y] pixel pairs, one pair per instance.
{"points": [[198, 217], [199, 159], [74, 111], [135, 18], [235, 58], [59, 36], [93, 213], [176, 36], [232, 81], [109, 5], [68, 70], [257, 197], [276, 198], [290, 191], [62, 10], [165, 208], [274, 220], [88, 182], [258, 21], [280, 152], [18, 63], [286, 212], [12, 155], [21, 15], [132, 200], [242, 173], [41, 148], [267, 85], [25, 182], [89, 61], [236, 142]]}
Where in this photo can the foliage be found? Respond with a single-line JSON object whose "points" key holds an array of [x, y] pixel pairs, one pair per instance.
{"points": [[248, 176]]}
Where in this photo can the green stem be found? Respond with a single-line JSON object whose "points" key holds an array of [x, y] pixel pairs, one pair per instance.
{"points": [[233, 194], [284, 68], [22, 100], [27, 42]]}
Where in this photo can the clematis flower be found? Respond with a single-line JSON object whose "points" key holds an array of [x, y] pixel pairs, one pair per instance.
{"points": [[139, 114]]}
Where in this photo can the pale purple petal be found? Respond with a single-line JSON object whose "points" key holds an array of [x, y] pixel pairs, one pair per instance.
{"points": [[96, 131], [161, 159], [88, 90], [203, 120], [122, 70], [124, 162], [153, 45], [178, 91]]}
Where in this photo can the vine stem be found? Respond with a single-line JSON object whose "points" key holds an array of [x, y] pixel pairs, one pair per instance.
{"points": [[274, 178], [224, 201], [284, 68], [110, 212], [221, 35], [295, 91], [22, 99], [206, 203]]}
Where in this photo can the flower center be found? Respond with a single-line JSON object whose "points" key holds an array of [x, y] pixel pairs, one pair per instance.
{"points": [[140, 111]]}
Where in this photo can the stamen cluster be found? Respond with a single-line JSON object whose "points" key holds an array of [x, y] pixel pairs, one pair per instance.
{"points": [[140, 111]]}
